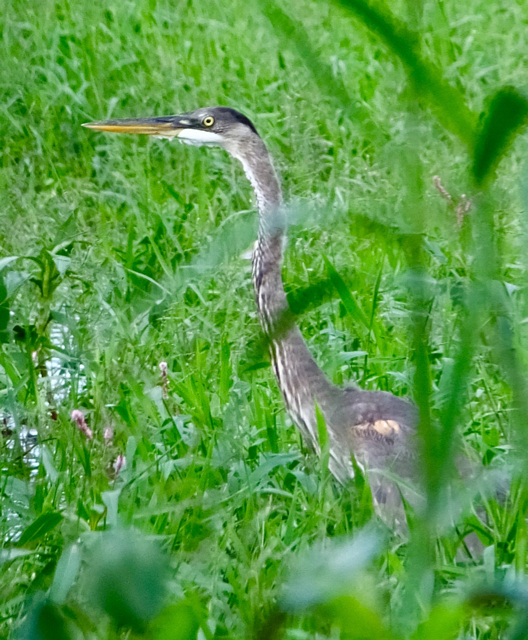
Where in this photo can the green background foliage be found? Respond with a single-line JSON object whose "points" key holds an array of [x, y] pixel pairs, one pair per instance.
{"points": [[118, 254]]}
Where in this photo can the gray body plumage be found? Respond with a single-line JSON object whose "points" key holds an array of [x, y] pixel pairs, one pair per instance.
{"points": [[377, 428]]}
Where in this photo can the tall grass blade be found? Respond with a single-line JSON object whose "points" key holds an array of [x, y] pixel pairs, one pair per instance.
{"points": [[292, 32], [427, 78], [40, 527], [347, 297], [506, 116]]}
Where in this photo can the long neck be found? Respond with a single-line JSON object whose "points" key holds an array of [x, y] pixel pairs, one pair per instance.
{"points": [[300, 379], [267, 254]]}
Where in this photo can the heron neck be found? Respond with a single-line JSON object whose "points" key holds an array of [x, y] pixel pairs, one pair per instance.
{"points": [[267, 254], [300, 379]]}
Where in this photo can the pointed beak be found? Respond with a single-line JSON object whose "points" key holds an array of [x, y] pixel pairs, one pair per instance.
{"points": [[186, 128], [165, 126]]}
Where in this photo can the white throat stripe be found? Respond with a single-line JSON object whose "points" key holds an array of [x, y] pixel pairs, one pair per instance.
{"points": [[198, 136]]}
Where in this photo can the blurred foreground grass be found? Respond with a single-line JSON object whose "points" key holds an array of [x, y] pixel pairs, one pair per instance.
{"points": [[119, 255]]}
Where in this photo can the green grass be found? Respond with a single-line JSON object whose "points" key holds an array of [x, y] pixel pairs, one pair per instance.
{"points": [[119, 253]]}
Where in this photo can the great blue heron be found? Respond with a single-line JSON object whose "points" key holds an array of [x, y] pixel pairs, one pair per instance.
{"points": [[375, 426]]}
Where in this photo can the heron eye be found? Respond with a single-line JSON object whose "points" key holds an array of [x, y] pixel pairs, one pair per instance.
{"points": [[208, 121]]}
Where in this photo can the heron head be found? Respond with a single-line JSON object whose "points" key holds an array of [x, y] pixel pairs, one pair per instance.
{"points": [[212, 126]]}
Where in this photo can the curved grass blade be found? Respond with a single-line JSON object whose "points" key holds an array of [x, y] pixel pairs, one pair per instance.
{"points": [[446, 101], [294, 33], [507, 114], [40, 527]]}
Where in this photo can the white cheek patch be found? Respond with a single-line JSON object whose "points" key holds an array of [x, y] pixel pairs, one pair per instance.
{"points": [[199, 137]]}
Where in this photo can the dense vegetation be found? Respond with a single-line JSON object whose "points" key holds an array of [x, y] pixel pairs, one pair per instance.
{"points": [[179, 500]]}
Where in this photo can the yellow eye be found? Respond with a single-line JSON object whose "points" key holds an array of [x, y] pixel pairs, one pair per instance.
{"points": [[208, 121]]}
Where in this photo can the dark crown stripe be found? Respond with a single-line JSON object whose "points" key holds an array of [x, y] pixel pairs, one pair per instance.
{"points": [[239, 116]]}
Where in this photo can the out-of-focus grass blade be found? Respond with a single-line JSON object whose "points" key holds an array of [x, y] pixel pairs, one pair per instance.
{"points": [[65, 574], [325, 574], [295, 34], [348, 300], [443, 623], [456, 381], [273, 626], [111, 502], [8, 555], [447, 102], [357, 621], [507, 113], [180, 621]]}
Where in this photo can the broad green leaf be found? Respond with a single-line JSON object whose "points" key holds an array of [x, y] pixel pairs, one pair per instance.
{"points": [[49, 463], [126, 578], [40, 527], [65, 574], [268, 465], [62, 263], [111, 502], [4, 262]]}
